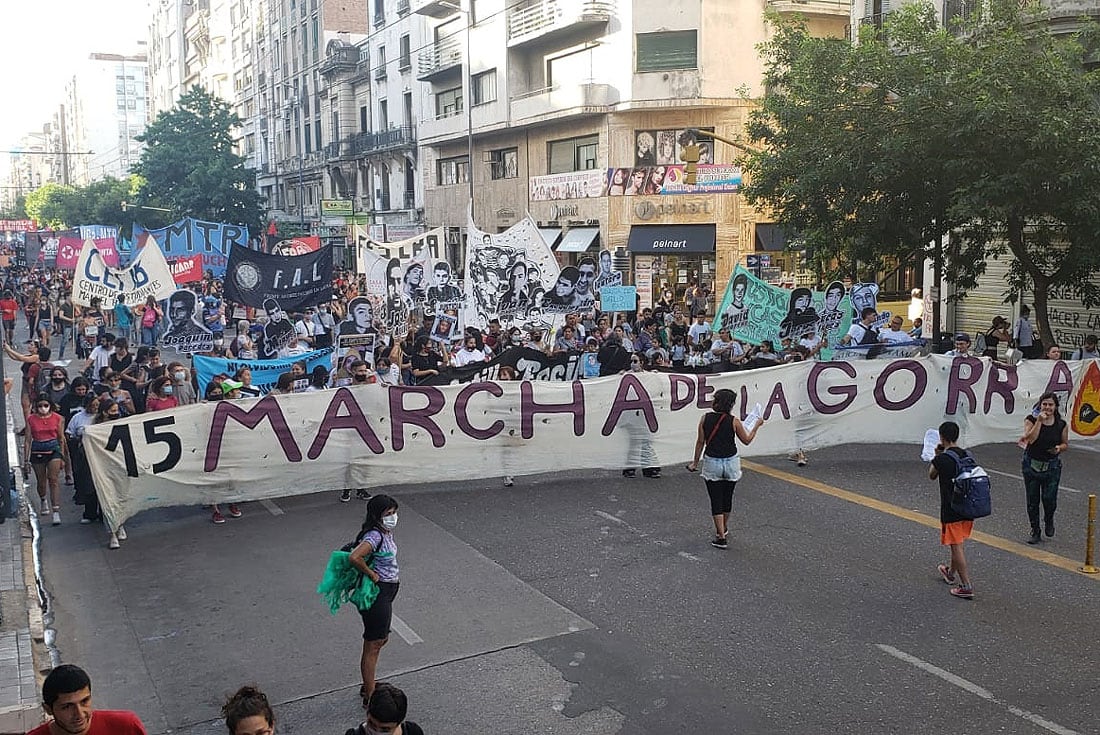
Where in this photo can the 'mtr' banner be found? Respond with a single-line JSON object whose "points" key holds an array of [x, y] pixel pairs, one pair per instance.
{"points": [[366, 436], [148, 275], [292, 281]]}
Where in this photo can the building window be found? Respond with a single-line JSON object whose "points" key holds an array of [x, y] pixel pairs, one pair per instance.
{"points": [[668, 51], [505, 164], [380, 70], [364, 120], [484, 87], [453, 171], [574, 154], [448, 103], [309, 139], [383, 115], [406, 53]]}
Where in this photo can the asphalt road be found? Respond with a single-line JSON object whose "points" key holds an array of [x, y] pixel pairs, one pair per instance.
{"points": [[586, 603]]}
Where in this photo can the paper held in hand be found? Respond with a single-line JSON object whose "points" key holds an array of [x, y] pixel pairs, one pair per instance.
{"points": [[753, 418], [931, 439]]}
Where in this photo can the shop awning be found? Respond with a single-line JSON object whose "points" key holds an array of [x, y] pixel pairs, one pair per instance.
{"points": [[578, 239], [770, 237], [550, 235], [671, 239]]}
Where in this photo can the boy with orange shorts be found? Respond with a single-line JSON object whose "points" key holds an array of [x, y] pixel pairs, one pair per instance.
{"points": [[954, 529]]}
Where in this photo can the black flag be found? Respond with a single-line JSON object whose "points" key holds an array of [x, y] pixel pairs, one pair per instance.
{"points": [[294, 281]]}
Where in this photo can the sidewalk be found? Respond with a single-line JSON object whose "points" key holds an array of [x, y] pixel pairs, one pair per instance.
{"points": [[21, 629]]}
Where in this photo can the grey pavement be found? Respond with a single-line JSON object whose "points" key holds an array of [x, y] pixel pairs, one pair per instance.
{"points": [[586, 603]]}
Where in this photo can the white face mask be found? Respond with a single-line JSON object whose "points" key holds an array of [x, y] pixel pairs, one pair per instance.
{"points": [[46, 409], [180, 376], [389, 522]]}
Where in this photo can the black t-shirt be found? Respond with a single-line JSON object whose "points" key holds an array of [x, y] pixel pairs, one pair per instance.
{"points": [[430, 361], [407, 728], [946, 469], [723, 443], [119, 365], [678, 330], [1049, 437], [613, 359]]}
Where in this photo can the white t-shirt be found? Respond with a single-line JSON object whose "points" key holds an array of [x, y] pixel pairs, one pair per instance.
{"points": [[810, 342], [101, 358], [465, 357], [699, 332], [389, 377], [891, 336]]}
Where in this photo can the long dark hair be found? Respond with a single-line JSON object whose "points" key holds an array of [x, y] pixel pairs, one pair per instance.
{"points": [[723, 401], [376, 508], [1052, 397]]}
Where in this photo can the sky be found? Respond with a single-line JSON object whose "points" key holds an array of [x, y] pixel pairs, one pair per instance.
{"points": [[44, 40]]}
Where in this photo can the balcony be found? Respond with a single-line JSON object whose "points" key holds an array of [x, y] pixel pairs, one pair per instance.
{"points": [[385, 140], [435, 8], [443, 127], [562, 101], [339, 59], [337, 150], [442, 58], [544, 19], [813, 8], [380, 73], [402, 8]]}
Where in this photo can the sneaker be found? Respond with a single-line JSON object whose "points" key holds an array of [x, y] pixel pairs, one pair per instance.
{"points": [[1050, 528], [45, 506], [86, 521], [217, 517], [946, 573], [801, 459], [720, 542], [56, 520], [345, 496], [508, 481], [966, 593], [234, 511], [1034, 538], [654, 473], [362, 494], [112, 541], [629, 473], [121, 533]]}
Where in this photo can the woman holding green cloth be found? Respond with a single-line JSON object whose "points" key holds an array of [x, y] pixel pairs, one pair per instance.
{"points": [[375, 543]]}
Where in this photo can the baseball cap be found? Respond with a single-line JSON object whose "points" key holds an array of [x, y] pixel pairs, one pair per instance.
{"points": [[231, 385], [962, 337]]}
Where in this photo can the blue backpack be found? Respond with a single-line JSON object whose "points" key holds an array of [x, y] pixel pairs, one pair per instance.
{"points": [[971, 498]]}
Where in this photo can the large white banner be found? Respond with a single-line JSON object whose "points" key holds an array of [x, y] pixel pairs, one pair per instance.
{"points": [[232, 451], [148, 275]]}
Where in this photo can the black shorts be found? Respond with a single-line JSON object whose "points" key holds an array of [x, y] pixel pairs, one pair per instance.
{"points": [[376, 618]]}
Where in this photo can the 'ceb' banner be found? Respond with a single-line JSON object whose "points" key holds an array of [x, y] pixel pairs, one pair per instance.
{"points": [[370, 435], [292, 281], [186, 270], [147, 276], [265, 373]]}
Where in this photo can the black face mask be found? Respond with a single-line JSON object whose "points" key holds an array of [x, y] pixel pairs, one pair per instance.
{"points": [[361, 378]]}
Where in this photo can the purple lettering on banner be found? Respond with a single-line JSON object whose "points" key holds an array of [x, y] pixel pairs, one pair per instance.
{"points": [[958, 385], [743, 400], [1061, 380], [207, 228], [777, 398], [399, 415], [704, 392], [920, 384], [675, 383], [1003, 387], [529, 408], [848, 391], [266, 408], [463, 418], [353, 419], [631, 396]]}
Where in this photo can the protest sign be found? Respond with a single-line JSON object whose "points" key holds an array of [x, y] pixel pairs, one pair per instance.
{"points": [[147, 276], [293, 281], [265, 373], [69, 247], [294, 245], [190, 237], [366, 436], [618, 298], [184, 330], [528, 364], [754, 310], [186, 270]]}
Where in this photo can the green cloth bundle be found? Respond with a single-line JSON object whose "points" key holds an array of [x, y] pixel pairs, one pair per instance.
{"points": [[344, 583]]}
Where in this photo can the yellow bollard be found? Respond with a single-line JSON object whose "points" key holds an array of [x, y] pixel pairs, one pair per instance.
{"points": [[1089, 568]]}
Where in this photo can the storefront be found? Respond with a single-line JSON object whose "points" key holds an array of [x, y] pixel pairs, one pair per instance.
{"points": [[671, 257]]}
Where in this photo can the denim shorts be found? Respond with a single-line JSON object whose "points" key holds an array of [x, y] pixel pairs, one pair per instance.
{"points": [[721, 468]]}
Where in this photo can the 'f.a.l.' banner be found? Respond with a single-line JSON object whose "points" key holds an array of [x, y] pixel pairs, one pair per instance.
{"points": [[147, 276], [365, 436], [291, 281]]}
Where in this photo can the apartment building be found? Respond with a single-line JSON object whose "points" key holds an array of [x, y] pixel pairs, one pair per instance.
{"points": [[293, 113], [29, 166], [578, 112]]}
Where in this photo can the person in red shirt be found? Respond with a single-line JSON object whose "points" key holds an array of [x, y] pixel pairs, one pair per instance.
{"points": [[161, 394], [46, 451], [67, 698], [9, 309]]}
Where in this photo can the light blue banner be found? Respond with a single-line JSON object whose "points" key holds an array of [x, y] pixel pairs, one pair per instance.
{"points": [[265, 373], [618, 298], [211, 240]]}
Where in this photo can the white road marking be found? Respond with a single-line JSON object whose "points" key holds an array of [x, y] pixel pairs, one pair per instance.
{"points": [[271, 507], [976, 690], [686, 555], [1021, 479], [642, 534], [402, 629]]}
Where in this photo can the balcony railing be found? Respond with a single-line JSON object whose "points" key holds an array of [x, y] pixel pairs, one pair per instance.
{"points": [[551, 16], [957, 12], [402, 7], [384, 202], [384, 140], [380, 73], [341, 59], [410, 200], [819, 8], [443, 56]]}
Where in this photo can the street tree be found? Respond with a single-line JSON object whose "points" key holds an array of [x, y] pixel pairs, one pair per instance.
{"points": [[189, 165], [987, 132], [17, 209], [99, 203]]}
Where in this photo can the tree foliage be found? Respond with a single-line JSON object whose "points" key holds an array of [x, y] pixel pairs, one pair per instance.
{"points": [[189, 166], [988, 132], [99, 203], [16, 210]]}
